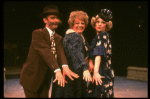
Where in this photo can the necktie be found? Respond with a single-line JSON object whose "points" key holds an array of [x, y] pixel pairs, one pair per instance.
{"points": [[53, 46]]}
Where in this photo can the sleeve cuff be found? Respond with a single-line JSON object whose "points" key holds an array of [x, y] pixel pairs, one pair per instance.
{"points": [[57, 70], [64, 65]]}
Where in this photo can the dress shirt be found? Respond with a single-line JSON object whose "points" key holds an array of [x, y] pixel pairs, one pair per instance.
{"points": [[50, 33]]}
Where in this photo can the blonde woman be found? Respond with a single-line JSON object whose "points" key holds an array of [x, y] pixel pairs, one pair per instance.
{"points": [[100, 57], [75, 47]]}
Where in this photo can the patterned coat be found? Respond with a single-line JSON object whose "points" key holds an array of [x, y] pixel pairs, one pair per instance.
{"points": [[101, 46]]}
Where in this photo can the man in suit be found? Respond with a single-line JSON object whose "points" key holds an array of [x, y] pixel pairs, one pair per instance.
{"points": [[45, 58]]}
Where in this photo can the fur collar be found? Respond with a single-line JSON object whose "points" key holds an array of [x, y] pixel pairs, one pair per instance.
{"points": [[70, 31]]}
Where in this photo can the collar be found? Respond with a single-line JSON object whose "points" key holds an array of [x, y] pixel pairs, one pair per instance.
{"points": [[50, 31], [70, 31]]}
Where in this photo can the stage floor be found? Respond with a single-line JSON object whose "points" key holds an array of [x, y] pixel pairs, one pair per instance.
{"points": [[123, 88]]}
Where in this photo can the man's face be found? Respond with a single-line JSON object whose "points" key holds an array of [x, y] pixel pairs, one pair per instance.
{"points": [[51, 22]]}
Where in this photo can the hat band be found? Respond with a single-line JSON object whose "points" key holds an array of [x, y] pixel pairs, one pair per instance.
{"points": [[51, 11]]}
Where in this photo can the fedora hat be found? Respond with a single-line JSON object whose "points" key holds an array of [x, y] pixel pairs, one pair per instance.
{"points": [[50, 10]]}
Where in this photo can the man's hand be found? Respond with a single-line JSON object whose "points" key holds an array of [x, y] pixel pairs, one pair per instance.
{"points": [[60, 78], [97, 77], [69, 73], [87, 76]]}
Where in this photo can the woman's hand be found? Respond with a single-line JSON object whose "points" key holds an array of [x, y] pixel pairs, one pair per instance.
{"points": [[87, 76], [97, 78]]}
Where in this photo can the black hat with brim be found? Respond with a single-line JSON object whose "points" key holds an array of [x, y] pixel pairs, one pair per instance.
{"points": [[50, 10]]}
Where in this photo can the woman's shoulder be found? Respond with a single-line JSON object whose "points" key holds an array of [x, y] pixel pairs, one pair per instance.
{"points": [[74, 34], [72, 37], [70, 34]]}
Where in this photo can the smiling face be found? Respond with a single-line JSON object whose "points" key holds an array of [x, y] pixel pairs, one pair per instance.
{"points": [[78, 26], [51, 22], [100, 25]]}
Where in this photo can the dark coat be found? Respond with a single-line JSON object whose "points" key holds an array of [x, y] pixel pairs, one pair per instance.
{"points": [[75, 52], [40, 59]]}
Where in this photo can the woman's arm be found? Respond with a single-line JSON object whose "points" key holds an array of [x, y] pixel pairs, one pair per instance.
{"points": [[91, 65], [97, 77], [97, 64]]}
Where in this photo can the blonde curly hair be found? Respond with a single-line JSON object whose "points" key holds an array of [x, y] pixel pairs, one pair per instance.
{"points": [[78, 14], [109, 24]]}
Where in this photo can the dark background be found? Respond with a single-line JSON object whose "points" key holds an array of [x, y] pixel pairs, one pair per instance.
{"points": [[129, 32]]}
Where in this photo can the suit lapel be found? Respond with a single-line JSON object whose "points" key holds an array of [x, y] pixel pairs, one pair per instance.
{"points": [[56, 38], [47, 36]]}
